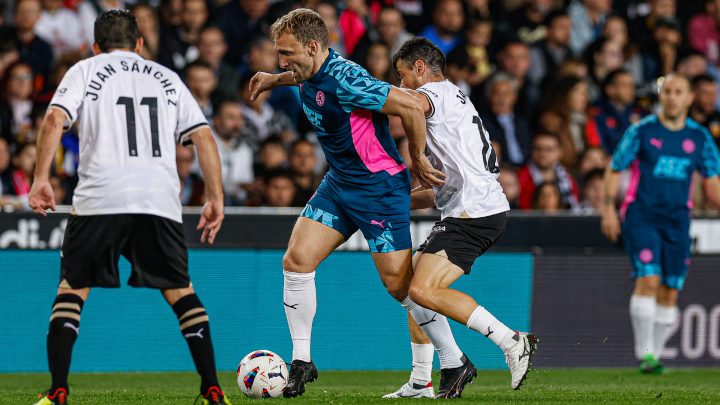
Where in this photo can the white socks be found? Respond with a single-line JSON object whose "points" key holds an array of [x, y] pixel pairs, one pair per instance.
{"points": [[642, 315], [665, 319], [436, 327], [300, 306], [422, 356], [484, 322]]}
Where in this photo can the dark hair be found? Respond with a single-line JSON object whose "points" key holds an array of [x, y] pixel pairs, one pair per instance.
{"points": [[297, 142], [702, 78], [612, 76], [272, 140], [198, 64], [554, 185], [422, 49], [116, 29], [554, 15], [278, 172], [547, 134], [557, 97], [592, 175]]}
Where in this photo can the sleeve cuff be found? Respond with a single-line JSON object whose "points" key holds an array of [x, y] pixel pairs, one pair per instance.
{"points": [[184, 137]]}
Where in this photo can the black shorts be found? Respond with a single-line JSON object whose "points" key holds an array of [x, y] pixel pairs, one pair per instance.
{"points": [[463, 240], [154, 246]]}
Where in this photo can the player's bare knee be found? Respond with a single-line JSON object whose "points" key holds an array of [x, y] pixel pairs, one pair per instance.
{"points": [[396, 288], [296, 262], [648, 286], [173, 295]]}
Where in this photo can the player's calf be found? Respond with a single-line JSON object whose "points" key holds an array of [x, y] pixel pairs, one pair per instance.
{"points": [[62, 333]]}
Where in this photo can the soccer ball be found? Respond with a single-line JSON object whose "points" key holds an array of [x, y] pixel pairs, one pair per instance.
{"points": [[262, 374]]}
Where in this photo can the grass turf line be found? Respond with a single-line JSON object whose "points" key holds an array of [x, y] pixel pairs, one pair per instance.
{"points": [[545, 386]]}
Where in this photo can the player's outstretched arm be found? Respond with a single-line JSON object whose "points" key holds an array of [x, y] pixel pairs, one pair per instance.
{"points": [[212, 214], [421, 198], [41, 196], [411, 113], [262, 81], [610, 224], [712, 191]]}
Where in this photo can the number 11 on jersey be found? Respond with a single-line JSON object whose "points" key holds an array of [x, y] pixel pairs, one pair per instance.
{"points": [[152, 104]]}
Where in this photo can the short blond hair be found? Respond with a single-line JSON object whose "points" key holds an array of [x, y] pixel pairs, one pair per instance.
{"points": [[305, 24]]}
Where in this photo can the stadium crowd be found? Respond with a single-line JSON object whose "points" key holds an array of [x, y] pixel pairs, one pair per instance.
{"points": [[556, 83]]}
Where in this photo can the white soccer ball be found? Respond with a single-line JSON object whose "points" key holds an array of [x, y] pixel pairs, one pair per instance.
{"points": [[262, 374]]}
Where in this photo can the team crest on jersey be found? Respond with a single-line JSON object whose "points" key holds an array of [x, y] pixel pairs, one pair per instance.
{"points": [[320, 98]]}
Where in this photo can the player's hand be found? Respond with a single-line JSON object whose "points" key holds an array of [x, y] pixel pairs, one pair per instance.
{"points": [[261, 82], [211, 219], [427, 175], [610, 225], [41, 197]]}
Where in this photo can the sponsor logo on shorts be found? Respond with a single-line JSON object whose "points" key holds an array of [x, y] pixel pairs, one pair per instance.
{"points": [[439, 228], [381, 224]]}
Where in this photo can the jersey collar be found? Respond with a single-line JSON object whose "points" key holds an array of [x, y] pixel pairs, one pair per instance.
{"points": [[317, 78], [126, 54]]}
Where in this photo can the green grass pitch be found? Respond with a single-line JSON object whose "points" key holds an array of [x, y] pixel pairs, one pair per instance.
{"points": [[620, 386]]}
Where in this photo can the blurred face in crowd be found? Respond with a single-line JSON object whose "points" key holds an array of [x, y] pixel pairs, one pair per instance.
{"points": [[273, 155], [616, 29], [515, 59], [194, 14], [25, 161], [502, 97], [480, 34], [172, 11], [255, 9], [262, 56], [390, 25], [212, 46], [663, 8], [201, 81], [328, 13], [449, 17], [378, 61], [595, 193], [184, 159], [20, 82], [610, 56], [229, 121], [58, 189], [559, 31], [510, 184], [598, 6], [303, 159], [675, 97], [705, 95], [145, 19], [51, 5], [593, 158], [667, 36], [578, 98], [548, 198], [692, 65], [546, 151], [27, 14], [279, 192], [4, 155], [622, 89], [713, 10]]}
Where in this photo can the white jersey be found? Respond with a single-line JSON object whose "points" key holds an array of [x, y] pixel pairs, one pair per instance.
{"points": [[132, 112], [459, 145]]}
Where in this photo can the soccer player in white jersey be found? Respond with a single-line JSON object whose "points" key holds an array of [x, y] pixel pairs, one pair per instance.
{"points": [[470, 199], [132, 112]]}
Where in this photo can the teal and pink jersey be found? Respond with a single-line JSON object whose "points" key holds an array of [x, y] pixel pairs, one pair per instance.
{"points": [[343, 102]]}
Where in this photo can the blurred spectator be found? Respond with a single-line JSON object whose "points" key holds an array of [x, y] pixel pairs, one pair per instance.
{"points": [[548, 54], [89, 10], [390, 30], [328, 13], [478, 35], [279, 188], [545, 166], [62, 28], [6, 187], [148, 28], [511, 186], [588, 17], [641, 28], [236, 155], [8, 49], [514, 59], [170, 13], [703, 109], [17, 91], [417, 13], [31, 48], [692, 64], [272, 155], [23, 161], [378, 62], [593, 193], [448, 20], [704, 32], [202, 82], [241, 21], [511, 130], [548, 198], [192, 187], [354, 23], [592, 159], [616, 110], [212, 48], [529, 22], [58, 188], [616, 30], [458, 69], [660, 56], [178, 44], [566, 114], [603, 56], [262, 119], [302, 163]]}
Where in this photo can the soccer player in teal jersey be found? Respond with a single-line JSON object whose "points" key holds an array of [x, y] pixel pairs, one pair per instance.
{"points": [[663, 151], [367, 187]]}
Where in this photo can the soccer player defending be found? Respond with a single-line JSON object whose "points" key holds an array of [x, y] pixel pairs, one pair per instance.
{"points": [[662, 151], [367, 188], [132, 113], [471, 201]]}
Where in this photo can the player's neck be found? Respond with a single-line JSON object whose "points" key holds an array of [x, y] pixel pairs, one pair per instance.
{"points": [[673, 123], [319, 60], [433, 78]]}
